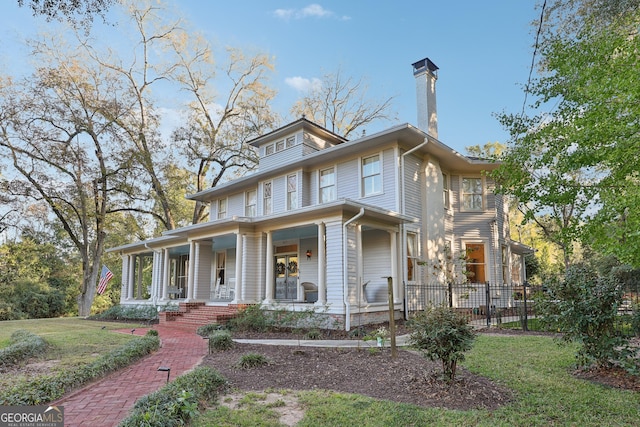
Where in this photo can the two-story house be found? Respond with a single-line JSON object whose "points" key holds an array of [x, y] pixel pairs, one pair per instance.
{"points": [[325, 222]]}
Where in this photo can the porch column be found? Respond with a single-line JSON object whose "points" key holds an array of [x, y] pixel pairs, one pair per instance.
{"points": [[139, 280], [165, 275], [196, 271], [393, 238], [192, 260], [125, 278], [156, 282], [131, 276], [239, 261], [322, 267], [269, 279]]}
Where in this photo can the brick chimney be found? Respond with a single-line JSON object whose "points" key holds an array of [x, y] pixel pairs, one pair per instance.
{"points": [[426, 74]]}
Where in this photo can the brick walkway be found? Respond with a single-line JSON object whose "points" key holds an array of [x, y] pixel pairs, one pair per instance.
{"points": [[106, 402]]}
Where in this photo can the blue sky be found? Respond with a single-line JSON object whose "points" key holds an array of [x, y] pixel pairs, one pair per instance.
{"points": [[483, 50]]}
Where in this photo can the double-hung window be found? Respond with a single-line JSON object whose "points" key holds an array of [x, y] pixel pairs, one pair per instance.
{"points": [[222, 208], [292, 192], [445, 190], [371, 175], [266, 198], [250, 201], [327, 185], [472, 194]]}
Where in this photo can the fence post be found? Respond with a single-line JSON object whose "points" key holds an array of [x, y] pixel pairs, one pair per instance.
{"points": [[525, 325], [488, 303], [450, 294], [392, 320]]}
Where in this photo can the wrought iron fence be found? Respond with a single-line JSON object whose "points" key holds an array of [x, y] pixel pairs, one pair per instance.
{"points": [[487, 304]]}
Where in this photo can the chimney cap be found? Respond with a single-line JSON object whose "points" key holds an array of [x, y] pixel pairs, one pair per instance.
{"points": [[426, 63]]}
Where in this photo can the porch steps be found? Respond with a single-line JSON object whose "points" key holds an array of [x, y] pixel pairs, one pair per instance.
{"points": [[199, 314]]}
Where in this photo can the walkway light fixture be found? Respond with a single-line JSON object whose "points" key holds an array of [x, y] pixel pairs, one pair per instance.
{"points": [[167, 370]]}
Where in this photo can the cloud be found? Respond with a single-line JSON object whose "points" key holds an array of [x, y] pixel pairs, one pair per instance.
{"points": [[313, 10], [302, 84]]}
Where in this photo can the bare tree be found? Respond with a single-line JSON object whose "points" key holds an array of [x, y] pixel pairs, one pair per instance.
{"points": [[79, 13], [340, 104]]}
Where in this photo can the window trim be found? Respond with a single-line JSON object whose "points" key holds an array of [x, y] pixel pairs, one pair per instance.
{"points": [[482, 194], [289, 204], [251, 210], [334, 185], [363, 177], [446, 190], [485, 259], [219, 213], [265, 198]]}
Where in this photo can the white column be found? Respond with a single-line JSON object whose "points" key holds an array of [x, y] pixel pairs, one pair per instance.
{"points": [[394, 266], [196, 271], [131, 275], [192, 260], [270, 273], [165, 275], [124, 289], [156, 268], [239, 261], [139, 279], [322, 266]]}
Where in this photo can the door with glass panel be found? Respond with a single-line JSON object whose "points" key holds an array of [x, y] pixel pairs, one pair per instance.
{"points": [[286, 277]]}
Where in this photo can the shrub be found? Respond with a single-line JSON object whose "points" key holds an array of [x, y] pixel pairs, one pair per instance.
{"points": [[251, 318], [583, 307], [124, 312], [177, 402], [50, 387], [441, 333], [207, 330], [220, 340], [24, 345], [252, 360]]}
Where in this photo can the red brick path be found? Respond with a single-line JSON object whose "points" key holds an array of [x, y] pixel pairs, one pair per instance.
{"points": [[108, 401]]}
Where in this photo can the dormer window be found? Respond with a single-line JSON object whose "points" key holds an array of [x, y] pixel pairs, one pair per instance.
{"points": [[291, 141], [279, 145], [268, 150]]}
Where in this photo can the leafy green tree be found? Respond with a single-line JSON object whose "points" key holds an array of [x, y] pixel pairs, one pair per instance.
{"points": [[570, 169]]}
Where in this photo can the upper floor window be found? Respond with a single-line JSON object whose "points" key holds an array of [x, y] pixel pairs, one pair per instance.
{"points": [[250, 201], [268, 150], [371, 176], [327, 185], [292, 191], [445, 190], [266, 202], [291, 141], [472, 194], [222, 208], [280, 145]]}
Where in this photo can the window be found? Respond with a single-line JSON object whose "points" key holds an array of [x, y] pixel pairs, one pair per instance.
{"points": [[250, 200], [505, 265], [412, 260], [371, 177], [279, 145], [266, 202], [292, 192], [472, 194], [327, 185], [222, 208], [445, 190], [291, 141], [268, 150], [475, 263]]}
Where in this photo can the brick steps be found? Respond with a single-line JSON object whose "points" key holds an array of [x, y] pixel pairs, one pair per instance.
{"points": [[198, 314]]}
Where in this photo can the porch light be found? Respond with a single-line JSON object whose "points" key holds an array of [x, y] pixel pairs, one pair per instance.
{"points": [[167, 370], [308, 253]]}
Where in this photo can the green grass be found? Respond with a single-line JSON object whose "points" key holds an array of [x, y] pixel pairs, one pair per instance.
{"points": [[537, 369], [71, 341]]}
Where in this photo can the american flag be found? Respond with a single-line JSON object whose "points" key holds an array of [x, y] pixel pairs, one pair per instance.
{"points": [[105, 276]]}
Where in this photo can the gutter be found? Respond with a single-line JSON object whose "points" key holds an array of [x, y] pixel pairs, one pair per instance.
{"points": [[345, 290]]}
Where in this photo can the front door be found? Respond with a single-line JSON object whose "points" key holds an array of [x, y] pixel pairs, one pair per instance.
{"points": [[286, 277]]}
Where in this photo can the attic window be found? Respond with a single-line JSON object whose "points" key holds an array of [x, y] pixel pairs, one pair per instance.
{"points": [[291, 141], [279, 146], [268, 150]]}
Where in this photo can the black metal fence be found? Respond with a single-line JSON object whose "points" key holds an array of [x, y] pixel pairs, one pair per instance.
{"points": [[488, 304]]}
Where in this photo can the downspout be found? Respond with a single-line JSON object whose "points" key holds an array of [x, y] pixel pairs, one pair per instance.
{"points": [[403, 233], [345, 290]]}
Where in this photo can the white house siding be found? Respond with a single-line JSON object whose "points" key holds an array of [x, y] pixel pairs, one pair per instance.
{"points": [[433, 216], [284, 157], [387, 199], [376, 264], [335, 272], [348, 179], [308, 268], [413, 181], [252, 268], [203, 278], [279, 194], [235, 205], [306, 188]]}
